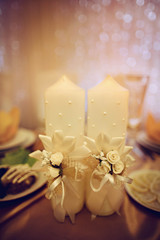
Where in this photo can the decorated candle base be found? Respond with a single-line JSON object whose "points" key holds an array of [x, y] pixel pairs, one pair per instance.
{"points": [[61, 161], [69, 202], [106, 174], [105, 202]]}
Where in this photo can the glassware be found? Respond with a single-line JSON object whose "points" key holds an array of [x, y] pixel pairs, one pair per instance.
{"points": [[137, 85]]}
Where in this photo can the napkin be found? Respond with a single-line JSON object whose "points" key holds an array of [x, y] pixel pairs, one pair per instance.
{"points": [[153, 128]]}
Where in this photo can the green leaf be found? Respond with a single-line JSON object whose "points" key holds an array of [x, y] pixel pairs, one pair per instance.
{"points": [[31, 161], [19, 156]]}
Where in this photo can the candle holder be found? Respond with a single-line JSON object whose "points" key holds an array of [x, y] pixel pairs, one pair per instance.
{"points": [[107, 174], [61, 163]]}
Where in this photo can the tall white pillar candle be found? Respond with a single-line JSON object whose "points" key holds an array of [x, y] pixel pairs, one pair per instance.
{"points": [[107, 109], [65, 108]]}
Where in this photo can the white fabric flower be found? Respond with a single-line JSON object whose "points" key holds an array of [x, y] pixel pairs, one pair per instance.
{"points": [[104, 167], [59, 147], [111, 150], [54, 172], [118, 167], [58, 143], [113, 156], [45, 156], [67, 145], [100, 156], [129, 160], [56, 158], [105, 144], [45, 162]]}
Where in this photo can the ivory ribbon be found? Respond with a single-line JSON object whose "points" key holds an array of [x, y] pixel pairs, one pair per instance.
{"points": [[60, 211], [106, 177], [56, 182], [124, 179]]}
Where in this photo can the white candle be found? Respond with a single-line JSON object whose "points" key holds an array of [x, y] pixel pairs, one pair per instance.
{"points": [[107, 109], [65, 108]]}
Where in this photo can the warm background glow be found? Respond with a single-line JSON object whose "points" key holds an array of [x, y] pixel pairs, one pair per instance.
{"points": [[86, 40]]}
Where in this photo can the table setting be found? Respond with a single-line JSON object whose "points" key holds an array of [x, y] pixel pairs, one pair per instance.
{"points": [[80, 120], [91, 179]]}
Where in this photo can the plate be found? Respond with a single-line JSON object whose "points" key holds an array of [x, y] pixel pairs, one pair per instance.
{"points": [[16, 141], [131, 193], [30, 138], [148, 143], [41, 180], [24, 138]]}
